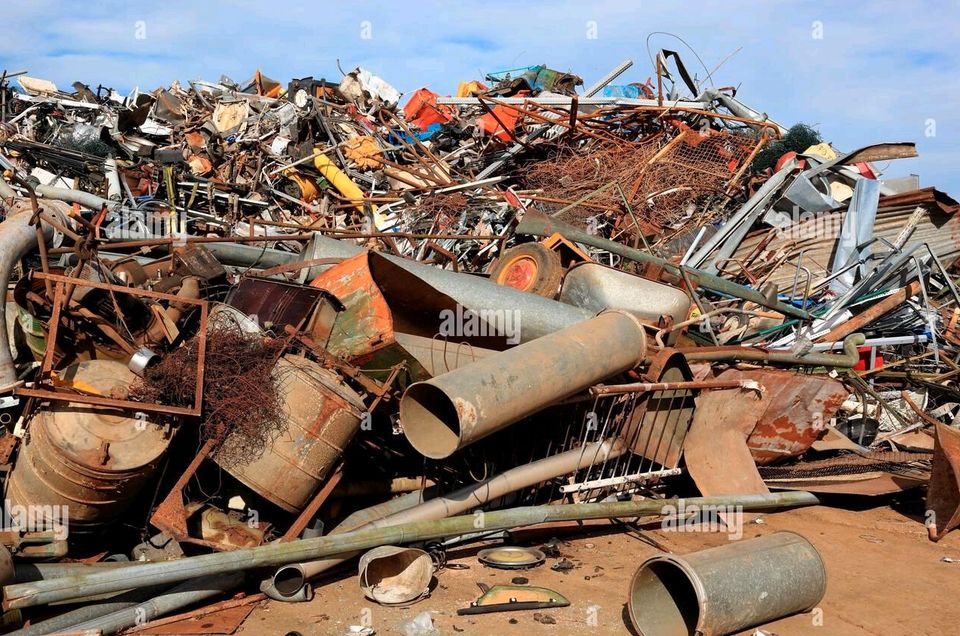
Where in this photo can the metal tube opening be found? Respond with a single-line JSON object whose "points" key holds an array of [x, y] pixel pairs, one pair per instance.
{"points": [[288, 580], [430, 421], [663, 601]]}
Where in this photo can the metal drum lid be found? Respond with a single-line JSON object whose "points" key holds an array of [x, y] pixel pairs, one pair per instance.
{"points": [[102, 438]]}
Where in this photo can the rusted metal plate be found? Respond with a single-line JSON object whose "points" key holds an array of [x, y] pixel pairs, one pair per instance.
{"points": [[793, 411], [943, 494], [659, 426], [717, 456]]}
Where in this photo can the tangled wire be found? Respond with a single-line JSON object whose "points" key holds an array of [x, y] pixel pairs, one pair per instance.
{"points": [[242, 405]]}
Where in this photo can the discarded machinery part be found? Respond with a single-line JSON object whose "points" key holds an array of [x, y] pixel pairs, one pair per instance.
{"points": [[596, 287], [726, 589], [392, 575], [89, 460], [444, 414], [943, 494], [141, 359], [21, 595], [189, 593], [848, 359], [290, 578], [512, 598], [646, 387], [511, 557], [530, 267], [540, 225], [17, 239], [322, 415]]}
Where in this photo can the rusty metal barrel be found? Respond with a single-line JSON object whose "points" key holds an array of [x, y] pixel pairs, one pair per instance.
{"points": [[322, 414], [83, 465], [727, 589]]}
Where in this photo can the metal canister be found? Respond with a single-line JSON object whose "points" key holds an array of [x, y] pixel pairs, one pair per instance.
{"points": [[322, 414], [726, 589], [83, 465]]}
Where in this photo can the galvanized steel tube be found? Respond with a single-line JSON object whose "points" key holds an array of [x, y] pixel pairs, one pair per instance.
{"points": [[275, 554], [17, 239], [727, 589], [442, 415]]}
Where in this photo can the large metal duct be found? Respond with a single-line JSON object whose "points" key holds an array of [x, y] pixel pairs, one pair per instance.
{"points": [[446, 413]]}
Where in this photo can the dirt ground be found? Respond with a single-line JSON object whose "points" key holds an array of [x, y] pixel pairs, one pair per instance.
{"points": [[884, 577]]}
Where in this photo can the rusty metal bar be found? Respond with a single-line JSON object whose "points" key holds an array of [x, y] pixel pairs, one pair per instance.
{"points": [[646, 387]]}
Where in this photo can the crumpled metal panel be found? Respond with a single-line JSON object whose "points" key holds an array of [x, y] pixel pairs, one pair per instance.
{"points": [[787, 418]]}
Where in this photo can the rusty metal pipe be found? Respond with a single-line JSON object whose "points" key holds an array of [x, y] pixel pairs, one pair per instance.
{"points": [[274, 554], [288, 580], [847, 359], [446, 413], [647, 387]]}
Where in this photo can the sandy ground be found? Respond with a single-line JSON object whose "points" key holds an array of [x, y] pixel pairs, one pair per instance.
{"points": [[884, 577]]}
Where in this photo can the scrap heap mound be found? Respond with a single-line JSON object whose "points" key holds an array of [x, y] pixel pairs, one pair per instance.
{"points": [[238, 314]]}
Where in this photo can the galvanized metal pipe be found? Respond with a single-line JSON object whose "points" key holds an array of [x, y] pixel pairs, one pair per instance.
{"points": [[17, 239], [847, 359], [288, 580], [446, 413], [540, 225], [275, 554], [182, 596], [63, 622], [727, 589]]}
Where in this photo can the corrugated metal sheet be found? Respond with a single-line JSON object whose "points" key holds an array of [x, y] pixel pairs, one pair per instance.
{"points": [[816, 237]]}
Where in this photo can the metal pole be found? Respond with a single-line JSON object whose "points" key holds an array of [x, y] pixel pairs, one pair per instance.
{"points": [[275, 554]]}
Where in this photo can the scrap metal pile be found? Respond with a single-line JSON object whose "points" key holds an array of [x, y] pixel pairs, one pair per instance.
{"points": [[253, 331]]}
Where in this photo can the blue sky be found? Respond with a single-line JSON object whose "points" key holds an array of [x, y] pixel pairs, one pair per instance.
{"points": [[860, 72]]}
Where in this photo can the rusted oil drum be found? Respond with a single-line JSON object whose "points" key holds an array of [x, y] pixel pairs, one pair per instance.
{"points": [[322, 415], [83, 463]]}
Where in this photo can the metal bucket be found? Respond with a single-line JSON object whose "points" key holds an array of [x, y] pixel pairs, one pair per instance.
{"points": [[85, 464], [322, 416], [391, 575], [727, 589]]}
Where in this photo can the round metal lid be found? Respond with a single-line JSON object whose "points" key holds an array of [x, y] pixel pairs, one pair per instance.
{"points": [[511, 557], [101, 438]]}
